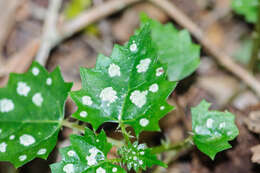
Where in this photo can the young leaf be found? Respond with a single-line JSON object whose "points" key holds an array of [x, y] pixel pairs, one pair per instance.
{"points": [[138, 157], [75, 7], [175, 48], [31, 111], [212, 129], [86, 154], [130, 87], [247, 8]]}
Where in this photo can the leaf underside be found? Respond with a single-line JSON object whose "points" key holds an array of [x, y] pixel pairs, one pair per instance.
{"points": [[247, 8], [31, 111], [212, 129], [86, 154], [175, 48], [130, 87]]}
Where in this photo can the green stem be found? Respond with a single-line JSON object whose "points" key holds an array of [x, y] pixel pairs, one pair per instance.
{"points": [[177, 146], [76, 126], [124, 132], [256, 44]]}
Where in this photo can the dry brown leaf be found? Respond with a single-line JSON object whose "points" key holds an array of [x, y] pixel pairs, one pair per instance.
{"points": [[253, 122], [256, 154]]}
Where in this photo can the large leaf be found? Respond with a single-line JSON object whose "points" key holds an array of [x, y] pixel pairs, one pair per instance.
{"points": [[130, 87], [86, 154], [247, 8], [138, 157], [212, 129], [31, 112], [175, 48]]}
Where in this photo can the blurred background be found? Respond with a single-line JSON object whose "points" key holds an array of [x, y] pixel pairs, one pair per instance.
{"points": [[71, 33]]}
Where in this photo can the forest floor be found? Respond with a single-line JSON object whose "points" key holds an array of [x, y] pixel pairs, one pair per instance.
{"points": [[22, 27]]}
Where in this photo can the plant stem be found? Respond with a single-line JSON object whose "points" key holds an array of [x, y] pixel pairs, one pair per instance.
{"points": [[177, 146], [256, 44], [124, 132], [76, 126]]}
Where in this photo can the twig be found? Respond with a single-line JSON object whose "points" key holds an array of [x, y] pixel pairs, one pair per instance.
{"points": [[7, 18], [20, 61], [92, 15], [220, 56], [256, 44], [50, 34]]}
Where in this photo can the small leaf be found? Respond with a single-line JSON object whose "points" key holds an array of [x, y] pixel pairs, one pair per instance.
{"points": [[130, 87], [31, 112], [138, 157], [247, 8], [212, 129], [86, 154], [175, 48]]}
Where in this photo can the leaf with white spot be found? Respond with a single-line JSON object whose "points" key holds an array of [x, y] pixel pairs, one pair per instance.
{"points": [[247, 8], [138, 157], [175, 48], [131, 87], [212, 129], [31, 112], [87, 154]]}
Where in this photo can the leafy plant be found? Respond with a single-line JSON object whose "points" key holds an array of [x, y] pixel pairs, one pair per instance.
{"points": [[175, 49], [130, 88], [247, 8]]}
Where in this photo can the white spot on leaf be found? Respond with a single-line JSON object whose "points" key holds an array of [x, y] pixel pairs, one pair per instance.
{"points": [[71, 153], [12, 137], [35, 71], [83, 114], [138, 98], [49, 81], [114, 70], [69, 168], [23, 89], [201, 130], [22, 158], [133, 47], [86, 100], [144, 65], [37, 99], [92, 158], [26, 140], [162, 108], [42, 151], [100, 170], [6, 105], [114, 169], [108, 94], [222, 125], [154, 88], [209, 123], [0, 130], [144, 122], [3, 146], [159, 71]]}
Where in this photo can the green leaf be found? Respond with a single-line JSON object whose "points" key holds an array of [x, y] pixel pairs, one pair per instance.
{"points": [[247, 8], [130, 87], [175, 48], [138, 157], [86, 154], [31, 112], [212, 129]]}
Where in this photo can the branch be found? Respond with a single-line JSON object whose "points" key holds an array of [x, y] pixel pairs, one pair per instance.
{"points": [[50, 34], [224, 59], [93, 15]]}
